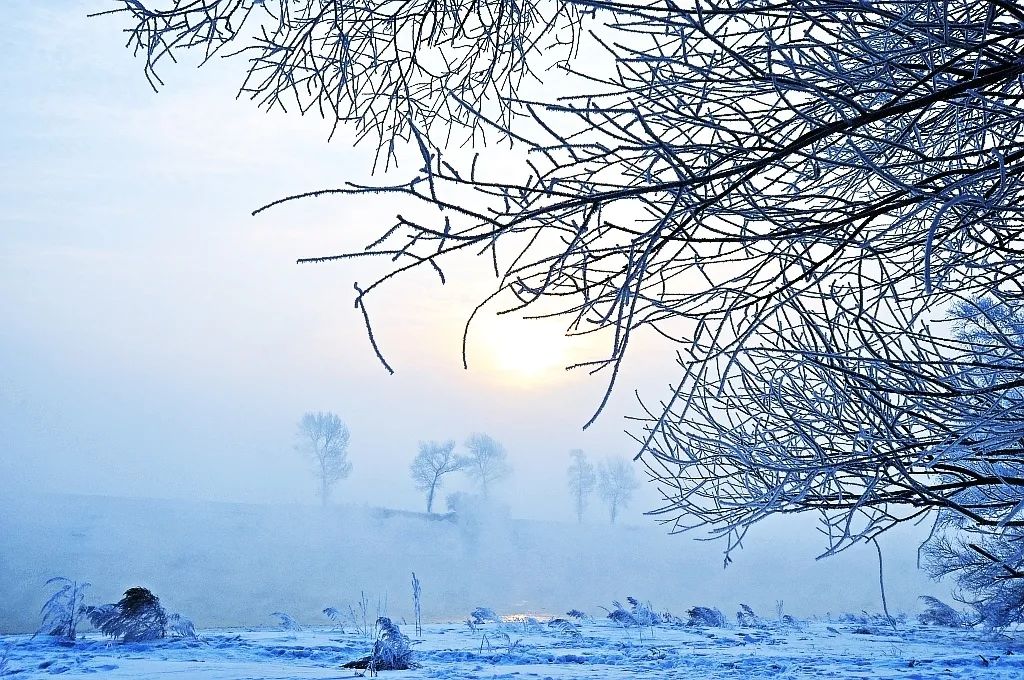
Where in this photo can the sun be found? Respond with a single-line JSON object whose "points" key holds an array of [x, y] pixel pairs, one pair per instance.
{"points": [[521, 351]]}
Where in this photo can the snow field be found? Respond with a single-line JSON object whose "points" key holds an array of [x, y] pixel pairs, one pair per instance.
{"points": [[527, 649]]}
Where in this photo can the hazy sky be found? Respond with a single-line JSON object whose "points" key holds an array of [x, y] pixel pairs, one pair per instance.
{"points": [[158, 340]]}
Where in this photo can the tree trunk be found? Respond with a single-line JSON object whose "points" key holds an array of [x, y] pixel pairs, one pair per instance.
{"points": [[430, 496]]}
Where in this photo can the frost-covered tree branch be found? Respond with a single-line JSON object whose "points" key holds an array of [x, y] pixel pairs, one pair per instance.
{"points": [[794, 198]]}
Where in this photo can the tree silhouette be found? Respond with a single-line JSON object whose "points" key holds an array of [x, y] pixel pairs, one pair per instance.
{"points": [[432, 463], [582, 480], [324, 438], [487, 461], [616, 484]]}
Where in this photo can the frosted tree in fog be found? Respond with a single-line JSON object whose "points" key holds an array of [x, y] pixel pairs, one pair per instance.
{"points": [[324, 438], [582, 481], [616, 482], [979, 536], [487, 462], [432, 463]]}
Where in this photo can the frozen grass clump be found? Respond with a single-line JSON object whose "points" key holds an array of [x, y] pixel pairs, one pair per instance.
{"points": [[179, 626], [522, 622], [511, 647], [286, 621], [391, 650], [746, 617], [868, 619], [335, 615], [791, 621], [64, 609], [639, 614], [670, 619], [643, 612], [137, 617], [482, 615], [938, 613], [621, 615], [706, 617], [567, 629]]}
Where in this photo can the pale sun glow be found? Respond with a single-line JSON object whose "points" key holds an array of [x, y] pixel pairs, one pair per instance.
{"points": [[521, 351]]}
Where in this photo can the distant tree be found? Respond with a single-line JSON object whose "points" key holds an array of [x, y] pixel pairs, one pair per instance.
{"points": [[616, 484], [434, 461], [487, 461], [582, 480], [324, 438]]}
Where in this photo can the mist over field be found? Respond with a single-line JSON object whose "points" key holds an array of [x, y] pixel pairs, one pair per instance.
{"points": [[232, 564]]}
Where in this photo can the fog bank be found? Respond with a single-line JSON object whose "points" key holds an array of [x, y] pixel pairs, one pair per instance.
{"points": [[232, 564]]}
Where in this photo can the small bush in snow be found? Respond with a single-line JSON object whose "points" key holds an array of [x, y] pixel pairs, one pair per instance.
{"points": [[793, 622], [136, 617], [286, 621], [643, 612], [622, 616], [391, 650], [179, 626], [527, 624], [484, 615], [639, 614], [567, 629], [510, 647], [866, 618], [64, 609], [938, 613], [335, 615], [671, 619], [706, 617], [746, 617]]}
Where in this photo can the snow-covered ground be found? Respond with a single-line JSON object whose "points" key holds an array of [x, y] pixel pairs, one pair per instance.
{"points": [[518, 650]]}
